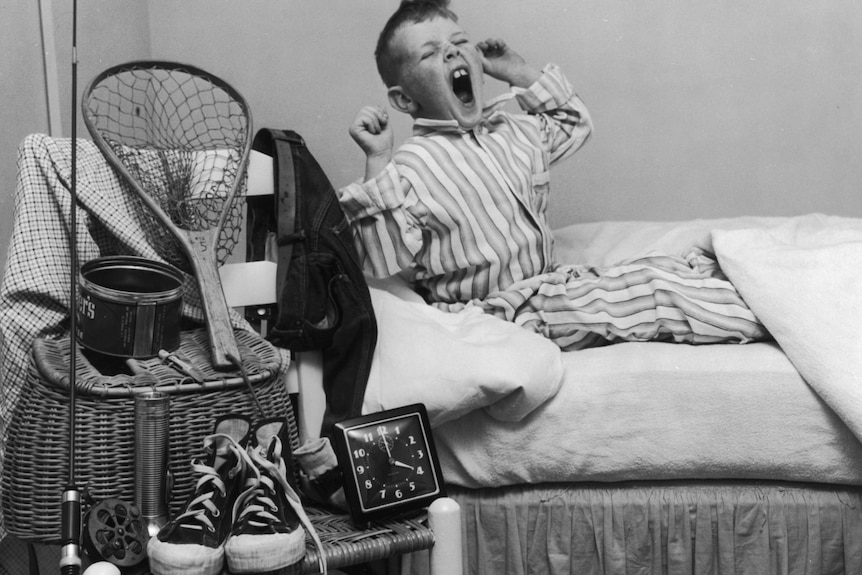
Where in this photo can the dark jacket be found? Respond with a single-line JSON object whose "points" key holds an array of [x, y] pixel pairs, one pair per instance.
{"points": [[323, 299]]}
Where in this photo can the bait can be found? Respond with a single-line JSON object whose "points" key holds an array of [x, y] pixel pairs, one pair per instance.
{"points": [[129, 306]]}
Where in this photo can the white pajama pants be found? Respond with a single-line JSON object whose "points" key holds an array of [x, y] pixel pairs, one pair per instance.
{"points": [[656, 298]]}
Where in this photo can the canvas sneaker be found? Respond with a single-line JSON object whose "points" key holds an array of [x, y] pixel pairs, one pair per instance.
{"points": [[270, 524], [192, 543]]}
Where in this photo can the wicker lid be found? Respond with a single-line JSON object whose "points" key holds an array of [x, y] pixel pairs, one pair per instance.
{"points": [[100, 376]]}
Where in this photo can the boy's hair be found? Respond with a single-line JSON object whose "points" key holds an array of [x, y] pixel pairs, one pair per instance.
{"points": [[409, 12]]}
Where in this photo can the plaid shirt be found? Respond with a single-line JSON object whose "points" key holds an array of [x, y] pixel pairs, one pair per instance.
{"points": [[463, 212], [34, 293]]}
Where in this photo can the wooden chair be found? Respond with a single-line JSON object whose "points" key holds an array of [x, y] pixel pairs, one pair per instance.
{"points": [[345, 544]]}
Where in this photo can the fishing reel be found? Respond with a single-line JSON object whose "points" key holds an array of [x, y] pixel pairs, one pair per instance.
{"points": [[116, 532]]}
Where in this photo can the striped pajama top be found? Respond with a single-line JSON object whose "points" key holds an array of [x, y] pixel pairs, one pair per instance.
{"points": [[462, 213]]}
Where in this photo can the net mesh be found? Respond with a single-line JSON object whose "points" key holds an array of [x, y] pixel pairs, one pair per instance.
{"points": [[181, 136]]}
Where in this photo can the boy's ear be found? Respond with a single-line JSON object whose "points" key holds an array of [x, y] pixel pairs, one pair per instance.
{"points": [[401, 101]]}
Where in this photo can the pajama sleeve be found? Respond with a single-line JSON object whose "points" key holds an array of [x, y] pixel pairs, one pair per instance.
{"points": [[563, 120], [384, 231]]}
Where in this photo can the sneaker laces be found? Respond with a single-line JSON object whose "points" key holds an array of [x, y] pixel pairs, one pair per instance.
{"points": [[276, 469], [199, 512], [256, 505]]}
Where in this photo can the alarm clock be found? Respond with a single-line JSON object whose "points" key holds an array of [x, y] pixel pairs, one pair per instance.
{"points": [[388, 462]]}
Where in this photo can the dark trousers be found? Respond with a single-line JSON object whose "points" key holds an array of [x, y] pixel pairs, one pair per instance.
{"points": [[324, 303]]}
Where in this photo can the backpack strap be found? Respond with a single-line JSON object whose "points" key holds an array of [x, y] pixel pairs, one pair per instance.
{"points": [[276, 215], [285, 203]]}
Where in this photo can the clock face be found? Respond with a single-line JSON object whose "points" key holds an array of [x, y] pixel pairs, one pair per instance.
{"points": [[391, 459]]}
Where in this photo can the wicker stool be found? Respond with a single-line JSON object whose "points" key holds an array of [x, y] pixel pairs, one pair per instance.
{"points": [[345, 544]]}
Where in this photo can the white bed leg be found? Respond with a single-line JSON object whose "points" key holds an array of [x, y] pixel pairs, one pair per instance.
{"points": [[444, 518]]}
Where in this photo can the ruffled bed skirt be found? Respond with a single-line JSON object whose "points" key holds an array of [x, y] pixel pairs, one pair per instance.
{"points": [[713, 528]]}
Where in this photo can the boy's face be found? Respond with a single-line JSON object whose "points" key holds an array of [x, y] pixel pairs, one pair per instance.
{"points": [[441, 72]]}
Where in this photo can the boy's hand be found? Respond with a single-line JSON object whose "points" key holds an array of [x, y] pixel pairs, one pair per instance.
{"points": [[371, 130], [502, 63]]}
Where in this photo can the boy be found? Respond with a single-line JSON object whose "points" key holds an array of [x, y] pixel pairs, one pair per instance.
{"points": [[459, 209]]}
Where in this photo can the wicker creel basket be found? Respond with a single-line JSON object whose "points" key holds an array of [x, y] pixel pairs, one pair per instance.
{"points": [[35, 470]]}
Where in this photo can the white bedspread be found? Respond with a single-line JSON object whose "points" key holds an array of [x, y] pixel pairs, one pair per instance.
{"points": [[653, 411], [455, 363], [802, 276], [661, 411], [803, 279]]}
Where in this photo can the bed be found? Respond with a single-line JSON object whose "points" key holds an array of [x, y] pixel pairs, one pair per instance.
{"points": [[652, 457], [657, 457], [628, 458]]}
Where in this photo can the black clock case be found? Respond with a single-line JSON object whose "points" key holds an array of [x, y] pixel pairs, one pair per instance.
{"points": [[342, 452]]}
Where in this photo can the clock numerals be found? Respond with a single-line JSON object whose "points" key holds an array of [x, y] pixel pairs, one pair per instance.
{"points": [[398, 492], [389, 461]]}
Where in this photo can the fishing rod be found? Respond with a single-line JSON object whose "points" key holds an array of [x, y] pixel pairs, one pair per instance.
{"points": [[70, 531]]}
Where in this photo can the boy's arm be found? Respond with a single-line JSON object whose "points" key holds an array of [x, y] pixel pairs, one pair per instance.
{"points": [[564, 120], [504, 64], [385, 232], [371, 130]]}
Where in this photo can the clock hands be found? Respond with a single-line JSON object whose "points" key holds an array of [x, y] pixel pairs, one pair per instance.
{"points": [[384, 439], [392, 461]]}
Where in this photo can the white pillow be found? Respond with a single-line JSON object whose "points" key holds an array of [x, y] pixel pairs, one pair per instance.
{"points": [[455, 363]]}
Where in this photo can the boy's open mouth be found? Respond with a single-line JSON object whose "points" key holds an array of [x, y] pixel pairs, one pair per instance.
{"points": [[462, 86]]}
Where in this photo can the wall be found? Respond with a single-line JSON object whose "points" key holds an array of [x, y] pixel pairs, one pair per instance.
{"points": [[702, 109], [109, 32], [23, 90]]}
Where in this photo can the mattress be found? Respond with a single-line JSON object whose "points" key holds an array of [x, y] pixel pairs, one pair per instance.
{"points": [[660, 411]]}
